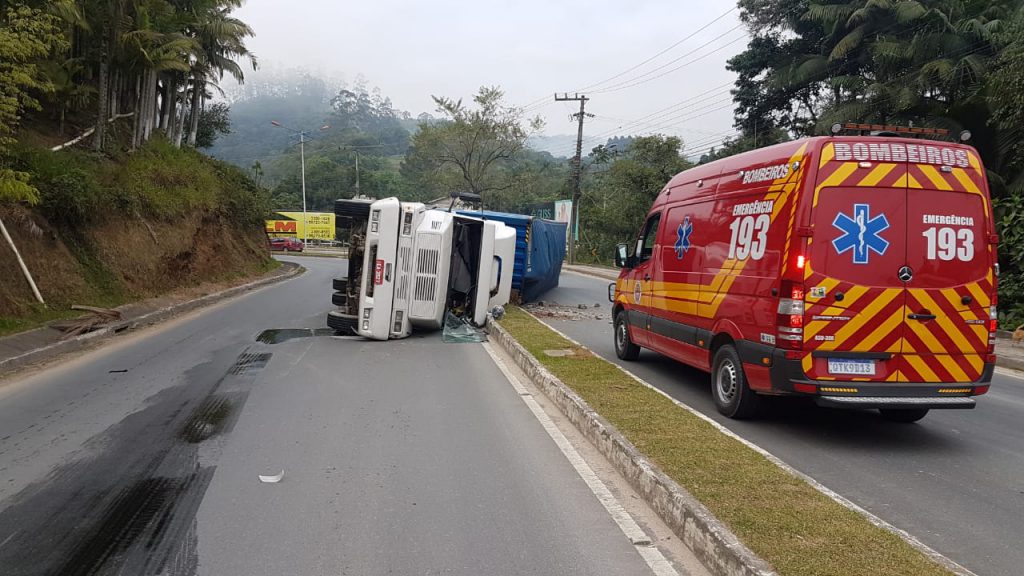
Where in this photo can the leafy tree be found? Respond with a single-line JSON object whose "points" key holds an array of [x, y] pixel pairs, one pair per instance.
{"points": [[27, 35], [213, 122], [469, 145], [616, 200]]}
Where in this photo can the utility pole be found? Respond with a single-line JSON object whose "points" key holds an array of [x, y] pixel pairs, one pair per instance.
{"points": [[302, 155], [357, 174], [577, 165], [305, 221]]}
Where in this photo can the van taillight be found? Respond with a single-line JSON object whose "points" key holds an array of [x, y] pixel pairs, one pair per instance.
{"points": [[790, 319], [993, 324], [801, 261]]}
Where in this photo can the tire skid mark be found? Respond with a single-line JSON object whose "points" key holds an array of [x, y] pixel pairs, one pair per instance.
{"points": [[125, 503]]}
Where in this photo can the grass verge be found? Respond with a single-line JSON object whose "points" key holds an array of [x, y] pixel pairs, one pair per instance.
{"points": [[778, 516]]}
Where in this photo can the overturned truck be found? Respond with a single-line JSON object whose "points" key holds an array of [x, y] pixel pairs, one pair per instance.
{"points": [[409, 266]]}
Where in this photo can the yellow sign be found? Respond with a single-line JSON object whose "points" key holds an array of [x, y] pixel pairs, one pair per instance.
{"points": [[289, 224]]}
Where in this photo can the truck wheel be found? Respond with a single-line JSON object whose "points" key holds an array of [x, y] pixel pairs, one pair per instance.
{"points": [[624, 347], [906, 415], [339, 299], [343, 324], [733, 397], [340, 284], [358, 209]]}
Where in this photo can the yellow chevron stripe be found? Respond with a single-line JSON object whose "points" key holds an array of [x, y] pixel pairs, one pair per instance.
{"points": [[912, 182], [953, 368], [828, 283], [944, 322], [828, 152], [932, 174], [921, 368], [883, 330], [837, 178], [977, 362], [876, 175], [815, 326], [980, 296], [979, 330], [858, 321], [965, 180], [893, 377], [926, 337]]}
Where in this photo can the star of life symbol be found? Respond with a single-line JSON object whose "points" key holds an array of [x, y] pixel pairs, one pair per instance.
{"points": [[683, 238], [861, 233]]}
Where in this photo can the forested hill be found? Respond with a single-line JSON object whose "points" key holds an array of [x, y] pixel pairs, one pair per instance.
{"points": [[349, 125]]}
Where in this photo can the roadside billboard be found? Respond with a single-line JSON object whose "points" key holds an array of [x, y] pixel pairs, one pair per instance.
{"points": [[289, 224]]}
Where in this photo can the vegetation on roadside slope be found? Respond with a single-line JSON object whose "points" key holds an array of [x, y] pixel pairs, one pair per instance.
{"points": [[778, 516], [109, 230]]}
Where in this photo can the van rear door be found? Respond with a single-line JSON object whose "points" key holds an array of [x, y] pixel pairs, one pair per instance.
{"points": [[854, 314], [949, 293]]}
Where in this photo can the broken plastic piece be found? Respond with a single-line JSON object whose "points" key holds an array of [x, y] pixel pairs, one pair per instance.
{"points": [[459, 330], [272, 479]]}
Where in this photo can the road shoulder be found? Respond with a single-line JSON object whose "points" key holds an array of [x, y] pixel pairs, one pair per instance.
{"points": [[43, 346]]}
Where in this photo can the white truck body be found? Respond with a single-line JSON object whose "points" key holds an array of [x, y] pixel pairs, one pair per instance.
{"points": [[407, 262]]}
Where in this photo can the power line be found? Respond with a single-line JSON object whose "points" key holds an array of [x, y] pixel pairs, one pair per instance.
{"points": [[543, 99]]}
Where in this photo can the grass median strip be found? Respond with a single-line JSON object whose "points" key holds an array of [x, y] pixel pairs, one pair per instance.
{"points": [[778, 516]]}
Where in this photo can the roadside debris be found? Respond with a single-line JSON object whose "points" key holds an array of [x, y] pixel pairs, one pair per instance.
{"points": [[272, 479], [96, 319], [458, 330], [562, 312]]}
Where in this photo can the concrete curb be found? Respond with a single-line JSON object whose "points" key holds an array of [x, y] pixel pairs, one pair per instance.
{"points": [[80, 342], [710, 540]]}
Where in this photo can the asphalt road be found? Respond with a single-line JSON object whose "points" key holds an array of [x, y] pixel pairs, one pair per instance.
{"points": [[407, 457], [955, 480]]}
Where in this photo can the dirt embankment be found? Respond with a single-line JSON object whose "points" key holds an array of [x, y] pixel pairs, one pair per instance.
{"points": [[121, 258]]}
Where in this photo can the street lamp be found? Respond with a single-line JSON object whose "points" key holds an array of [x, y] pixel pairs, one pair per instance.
{"points": [[302, 156]]}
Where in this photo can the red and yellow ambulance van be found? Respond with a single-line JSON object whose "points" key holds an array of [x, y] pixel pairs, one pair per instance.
{"points": [[859, 270]]}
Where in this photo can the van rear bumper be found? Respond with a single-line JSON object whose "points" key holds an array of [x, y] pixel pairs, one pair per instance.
{"points": [[787, 377], [945, 402]]}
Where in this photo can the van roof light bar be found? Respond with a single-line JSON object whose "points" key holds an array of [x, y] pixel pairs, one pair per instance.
{"points": [[887, 129]]}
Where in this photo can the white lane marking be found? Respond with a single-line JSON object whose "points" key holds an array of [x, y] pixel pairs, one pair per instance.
{"points": [[937, 557], [656, 561]]}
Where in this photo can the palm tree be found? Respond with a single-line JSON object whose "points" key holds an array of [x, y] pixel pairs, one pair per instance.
{"points": [[221, 40]]}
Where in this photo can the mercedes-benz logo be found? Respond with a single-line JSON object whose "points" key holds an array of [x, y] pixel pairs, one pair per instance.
{"points": [[905, 274]]}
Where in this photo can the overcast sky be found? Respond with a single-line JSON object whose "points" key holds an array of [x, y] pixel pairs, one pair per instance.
{"points": [[531, 48]]}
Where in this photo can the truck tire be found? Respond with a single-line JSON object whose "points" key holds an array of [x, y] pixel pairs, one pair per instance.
{"points": [[339, 299], [343, 324], [905, 415], [340, 284], [625, 349], [733, 397], [358, 209]]}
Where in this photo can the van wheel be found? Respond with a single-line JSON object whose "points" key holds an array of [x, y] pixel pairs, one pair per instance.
{"points": [[906, 416], [624, 347], [733, 397]]}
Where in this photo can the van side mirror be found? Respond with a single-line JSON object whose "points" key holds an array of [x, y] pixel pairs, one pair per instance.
{"points": [[622, 257]]}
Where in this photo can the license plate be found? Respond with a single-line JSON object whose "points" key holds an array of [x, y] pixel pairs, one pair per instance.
{"points": [[854, 367]]}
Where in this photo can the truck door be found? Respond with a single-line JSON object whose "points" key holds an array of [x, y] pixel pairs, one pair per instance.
{"points": [[642, 280], [949, 275], [854, 317]]}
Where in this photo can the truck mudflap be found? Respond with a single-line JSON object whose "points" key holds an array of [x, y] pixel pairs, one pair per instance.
{"points": [[787, 377]]}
